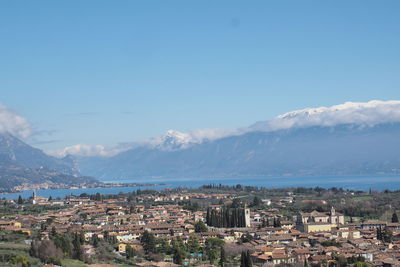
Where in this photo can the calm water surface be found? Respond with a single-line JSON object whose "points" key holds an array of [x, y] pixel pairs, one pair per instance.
{"points": [[365, 183]]}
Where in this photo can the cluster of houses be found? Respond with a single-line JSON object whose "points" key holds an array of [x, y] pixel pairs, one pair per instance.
{"points": [[315, 237]]}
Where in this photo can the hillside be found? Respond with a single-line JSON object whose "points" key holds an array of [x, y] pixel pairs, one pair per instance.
{"points": [[22, 164]]}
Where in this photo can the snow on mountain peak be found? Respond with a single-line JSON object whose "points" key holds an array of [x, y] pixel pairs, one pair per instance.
{"points": [[359, 113], [367, 114], [170, 141], [177, 136]]}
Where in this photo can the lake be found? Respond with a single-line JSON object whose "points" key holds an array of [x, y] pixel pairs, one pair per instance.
{"points": [[365, 183]]}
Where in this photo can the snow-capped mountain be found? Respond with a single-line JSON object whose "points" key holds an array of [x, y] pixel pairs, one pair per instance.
{"points": [[352, 138], [364, 114], [170, 141]]}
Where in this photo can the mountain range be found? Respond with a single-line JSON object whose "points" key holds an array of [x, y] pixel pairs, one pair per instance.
{"points": [[347, 139], [317, 150]]}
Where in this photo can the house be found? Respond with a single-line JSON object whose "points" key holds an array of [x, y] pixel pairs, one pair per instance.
{"points": [[373, 225], [14, 224], [319, 221]]}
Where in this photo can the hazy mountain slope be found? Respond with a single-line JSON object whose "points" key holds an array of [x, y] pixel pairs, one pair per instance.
{"points": [[23, 164], [315, 150], [14, 151]]}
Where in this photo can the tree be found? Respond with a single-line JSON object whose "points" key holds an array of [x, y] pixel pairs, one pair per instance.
{"points": [[20, 200], [379, 233], [243, 259], [98, 197], [148, 241], [63, 242], [95, 240], [53, 232], [46, 251], [236, 203], [226, 217], [212, 246], [20, 260], [387, 235], [247, 237], [82, 237], [130, 252], [178, 256], [395, 219], [277, 222], [256, 202], [200, 227], [264, 223], [341, 261], [249, 262], [164, 247], [77, 249], [222, 259], [193, 244]]}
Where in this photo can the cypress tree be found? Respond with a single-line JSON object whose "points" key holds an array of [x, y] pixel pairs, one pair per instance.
{"points": [[53, 232], [223, 257], [379, 233], [249, 262], [178, 256], [77, 246], [395, 219], [278, 222], [20, 200], [243, 259]]}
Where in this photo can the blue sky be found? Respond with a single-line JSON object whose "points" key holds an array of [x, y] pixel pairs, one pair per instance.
{"points": [[104, 72]]}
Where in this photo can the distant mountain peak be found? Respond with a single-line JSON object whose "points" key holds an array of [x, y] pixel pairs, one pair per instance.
{"points": [[353, 114], [171, 140], [360, 113]]}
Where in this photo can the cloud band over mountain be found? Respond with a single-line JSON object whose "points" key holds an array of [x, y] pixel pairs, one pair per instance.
{"points": [[367, 114], [359, 113]]}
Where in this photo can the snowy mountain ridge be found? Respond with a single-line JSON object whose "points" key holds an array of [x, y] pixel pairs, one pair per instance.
{"points": [[361, 114]]}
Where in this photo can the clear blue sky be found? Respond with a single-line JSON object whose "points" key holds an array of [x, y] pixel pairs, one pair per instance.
{"points": [[103, 72]]}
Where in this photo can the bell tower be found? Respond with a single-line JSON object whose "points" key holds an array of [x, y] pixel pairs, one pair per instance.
{"points": [[333, 211]]}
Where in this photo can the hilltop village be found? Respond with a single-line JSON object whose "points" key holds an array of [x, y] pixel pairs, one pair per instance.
{"points": [[213, 225]]}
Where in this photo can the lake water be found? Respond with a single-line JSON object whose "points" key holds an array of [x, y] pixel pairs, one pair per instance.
{"points": [[365, 183]]}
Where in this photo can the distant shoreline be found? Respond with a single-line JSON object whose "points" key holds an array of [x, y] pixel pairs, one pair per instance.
{"points": [[81, 186]]}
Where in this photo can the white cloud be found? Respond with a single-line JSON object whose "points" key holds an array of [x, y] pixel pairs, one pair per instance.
{"points": [[174, 140], [367, 114], [86, 151], [13, 123], [211, 134]]}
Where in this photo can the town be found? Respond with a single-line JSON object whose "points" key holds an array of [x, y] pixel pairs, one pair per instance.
{"points": [[214, 225]]}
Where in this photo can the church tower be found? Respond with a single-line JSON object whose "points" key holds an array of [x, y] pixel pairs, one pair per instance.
{"points": [[246, 216], [333, 211]]}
